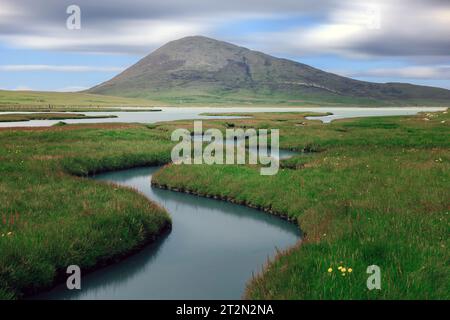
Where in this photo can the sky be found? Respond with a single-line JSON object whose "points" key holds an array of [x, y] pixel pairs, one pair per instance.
{"points": [[42, 48]]}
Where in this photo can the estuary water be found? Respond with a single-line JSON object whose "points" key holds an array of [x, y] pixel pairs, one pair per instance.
{"points": [[187, 113]]}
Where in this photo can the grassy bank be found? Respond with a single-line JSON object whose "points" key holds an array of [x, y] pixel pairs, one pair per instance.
{"points": [[51, 219], [11, 117], [376, 193], [65, 101], [41, 101]]}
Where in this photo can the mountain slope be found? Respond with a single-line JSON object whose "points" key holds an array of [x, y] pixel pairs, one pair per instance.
{"points": [[200, 66]]}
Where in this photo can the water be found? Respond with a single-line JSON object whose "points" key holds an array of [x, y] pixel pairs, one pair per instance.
{"points": [[282, 153], [343, 113], [210, 253], [187, 113]]}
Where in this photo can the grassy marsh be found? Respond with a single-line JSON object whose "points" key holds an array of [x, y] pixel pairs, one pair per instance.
{"points": [[376, 193]]}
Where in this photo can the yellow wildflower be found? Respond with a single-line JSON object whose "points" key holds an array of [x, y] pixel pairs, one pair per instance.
{"points": [[350, 270], [343, 269], [330, 270]]}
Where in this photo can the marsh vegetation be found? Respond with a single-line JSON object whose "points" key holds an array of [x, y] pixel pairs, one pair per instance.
{"points": [[374, 191]]}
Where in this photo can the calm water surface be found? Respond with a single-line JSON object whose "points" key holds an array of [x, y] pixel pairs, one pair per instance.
{"points": [[186, 113], [211, 252]]}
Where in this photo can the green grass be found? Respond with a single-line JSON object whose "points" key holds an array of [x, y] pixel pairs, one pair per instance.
{"points": [[208, 95], [82, 102], [65, 101], [376, 193], [10, 117], [50, 219]]}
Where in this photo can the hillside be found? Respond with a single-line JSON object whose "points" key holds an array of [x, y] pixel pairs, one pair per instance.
{"points": [[203, 69]]}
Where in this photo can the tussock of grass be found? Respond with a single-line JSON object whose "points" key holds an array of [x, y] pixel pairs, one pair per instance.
{"points": [[377, 193]]}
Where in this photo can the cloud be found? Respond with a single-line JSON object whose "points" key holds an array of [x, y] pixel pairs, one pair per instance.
{"points": [[22, 88], [63, 89], [407, 28], [346, 27], [57, 68], [134, 27], [412, 72], [125, 37], [412, 29], [71, 89]]}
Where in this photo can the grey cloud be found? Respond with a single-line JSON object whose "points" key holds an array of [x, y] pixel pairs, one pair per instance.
{"points": [[402, 46], [112, 10], [410, 72], [406, 29]]}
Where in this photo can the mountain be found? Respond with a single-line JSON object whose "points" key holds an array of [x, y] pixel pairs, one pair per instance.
{"points": [[199, 68]]}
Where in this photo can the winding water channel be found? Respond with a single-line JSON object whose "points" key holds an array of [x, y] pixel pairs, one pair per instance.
{"points": [[211, 252]]}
